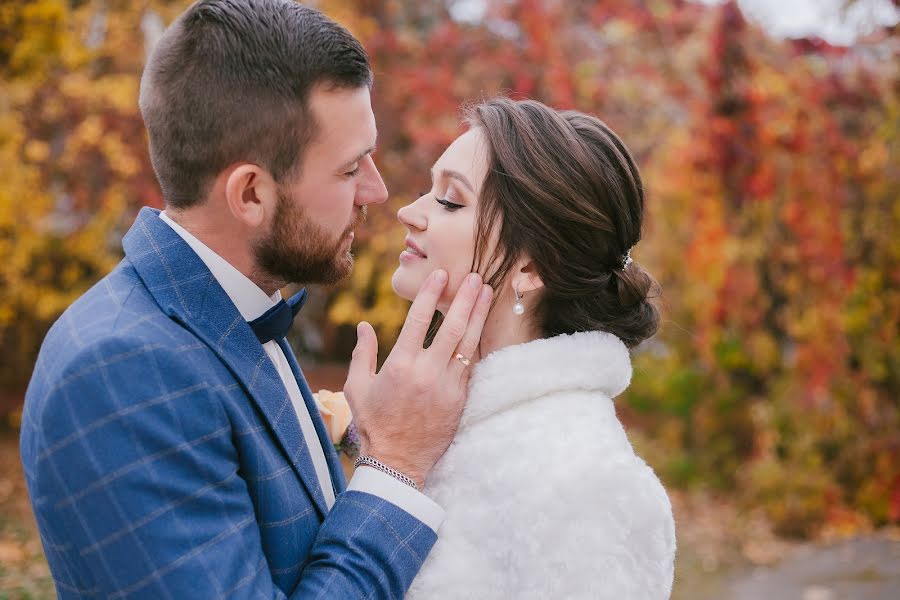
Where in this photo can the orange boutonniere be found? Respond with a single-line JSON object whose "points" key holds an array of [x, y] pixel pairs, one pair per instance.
{"points": [[336, 413]]}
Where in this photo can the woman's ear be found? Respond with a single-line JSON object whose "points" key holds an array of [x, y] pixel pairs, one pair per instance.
{"points": [[251, 194], [525, 277]]}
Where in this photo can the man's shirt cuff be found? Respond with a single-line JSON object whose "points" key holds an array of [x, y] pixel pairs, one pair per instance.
{"points": [[372, 481]]}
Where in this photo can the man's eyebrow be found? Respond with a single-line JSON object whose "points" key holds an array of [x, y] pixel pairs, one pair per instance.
{"points": [[358, 158], [451, 174]]}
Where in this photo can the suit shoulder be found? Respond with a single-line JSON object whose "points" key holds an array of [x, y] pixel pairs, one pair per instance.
{"points": [[115, 347], [115, 317], [113, 305], [117, 381]]}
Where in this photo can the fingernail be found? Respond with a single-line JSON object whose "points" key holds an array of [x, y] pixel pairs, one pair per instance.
{"points": [[440, 276], [485, 294], [474, 280]]}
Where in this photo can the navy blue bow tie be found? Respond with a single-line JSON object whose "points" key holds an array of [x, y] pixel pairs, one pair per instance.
{"points": [[276, 322]]}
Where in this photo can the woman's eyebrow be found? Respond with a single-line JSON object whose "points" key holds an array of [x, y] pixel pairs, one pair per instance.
{"points": [[451, 174]]}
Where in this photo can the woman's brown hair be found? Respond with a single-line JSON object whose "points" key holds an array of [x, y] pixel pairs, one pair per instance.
{"points": [[563, 189]]}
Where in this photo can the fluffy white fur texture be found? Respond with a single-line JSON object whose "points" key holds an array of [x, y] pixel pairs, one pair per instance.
{"points": [[543, 493]]}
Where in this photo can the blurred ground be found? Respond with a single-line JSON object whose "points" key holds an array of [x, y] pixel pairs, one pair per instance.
{"points": [[726, 555], [23, 570], [858, 569], [722, 554]]}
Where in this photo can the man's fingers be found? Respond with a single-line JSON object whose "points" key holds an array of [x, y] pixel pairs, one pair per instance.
{"points": [[362, 363], [468, 345], [412, 336], [456, 320]]}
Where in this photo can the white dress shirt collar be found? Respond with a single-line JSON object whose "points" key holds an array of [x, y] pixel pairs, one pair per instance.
{"points": [[249, 299]]}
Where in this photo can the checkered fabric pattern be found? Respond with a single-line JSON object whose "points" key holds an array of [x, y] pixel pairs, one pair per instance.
{"points": [[164, 459]]}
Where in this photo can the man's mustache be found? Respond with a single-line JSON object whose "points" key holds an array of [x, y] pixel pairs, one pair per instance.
{"points": [[359, 218]]}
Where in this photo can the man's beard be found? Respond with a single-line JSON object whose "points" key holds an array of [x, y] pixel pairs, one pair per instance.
{"points": [[300, 251]]}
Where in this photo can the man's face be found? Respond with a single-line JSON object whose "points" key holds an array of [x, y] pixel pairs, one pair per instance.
{"points": [[311, 232]]}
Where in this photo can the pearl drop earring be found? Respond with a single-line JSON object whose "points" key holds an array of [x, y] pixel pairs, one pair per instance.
{"points": [[518, 307]]}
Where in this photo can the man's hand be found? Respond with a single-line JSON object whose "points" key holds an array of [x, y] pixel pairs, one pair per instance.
{"points": [[407, 414]]}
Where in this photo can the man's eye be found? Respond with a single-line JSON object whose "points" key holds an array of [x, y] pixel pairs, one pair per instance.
{"points": [[450, 206], [352, 173]]}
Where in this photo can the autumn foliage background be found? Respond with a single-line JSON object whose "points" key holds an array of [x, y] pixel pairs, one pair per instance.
{"points": [[772, 178]]}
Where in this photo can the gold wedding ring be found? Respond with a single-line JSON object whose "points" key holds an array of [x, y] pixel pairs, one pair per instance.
{"points": [[462, 359]]}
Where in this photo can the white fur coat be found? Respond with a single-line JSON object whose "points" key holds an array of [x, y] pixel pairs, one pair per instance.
{"points": [[544, 496]]}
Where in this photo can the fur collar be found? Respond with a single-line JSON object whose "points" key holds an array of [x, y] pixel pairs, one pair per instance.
{"points": [[588, 360]]}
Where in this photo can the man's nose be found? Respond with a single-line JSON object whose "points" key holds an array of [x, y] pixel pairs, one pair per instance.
{"points": [[373, 190]]}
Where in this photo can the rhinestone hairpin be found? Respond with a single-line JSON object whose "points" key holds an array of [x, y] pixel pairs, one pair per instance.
{"points": [[626, 260]]}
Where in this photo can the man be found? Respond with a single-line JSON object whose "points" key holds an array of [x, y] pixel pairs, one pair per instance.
{"points": [[172, 448]]}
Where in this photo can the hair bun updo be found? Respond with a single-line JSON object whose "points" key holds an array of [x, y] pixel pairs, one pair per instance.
{"points": [[568, 194]]}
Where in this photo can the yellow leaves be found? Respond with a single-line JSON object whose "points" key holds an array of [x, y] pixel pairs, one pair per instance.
{"points": [[69, 159], [363, 269], [874, 158], [349, 15], [7, 314], [120, 156], [88, 132], [763, 351], [344, 310], [386, 313], [769, 82], [39, 26], [92, 134], [42, 15], [37, 151], [110, 92], [617, 30]]}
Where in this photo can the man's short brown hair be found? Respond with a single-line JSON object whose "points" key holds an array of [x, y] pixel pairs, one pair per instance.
{"points": [[230, 81]]}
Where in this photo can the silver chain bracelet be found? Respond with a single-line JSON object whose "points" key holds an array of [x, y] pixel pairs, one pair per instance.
{"points": [[369, 461]]}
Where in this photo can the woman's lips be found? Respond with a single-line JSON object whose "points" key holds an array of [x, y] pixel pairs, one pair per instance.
{"points": [[412, 252]]}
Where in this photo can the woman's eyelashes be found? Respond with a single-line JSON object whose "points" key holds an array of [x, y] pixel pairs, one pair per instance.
{"points": [[447, 204]]}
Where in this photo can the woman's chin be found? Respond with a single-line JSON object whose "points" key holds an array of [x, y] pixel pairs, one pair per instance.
{"points": [[401, 284], [407, 283]]}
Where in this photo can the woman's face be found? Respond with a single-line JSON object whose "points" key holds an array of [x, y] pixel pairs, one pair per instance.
{"points": [[441, 223]]}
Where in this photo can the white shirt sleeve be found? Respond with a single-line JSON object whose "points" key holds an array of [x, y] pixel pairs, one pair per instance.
{"points": [[372, 481]]}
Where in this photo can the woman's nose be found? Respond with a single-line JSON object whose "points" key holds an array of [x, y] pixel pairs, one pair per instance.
{"points": [[412, 217]]}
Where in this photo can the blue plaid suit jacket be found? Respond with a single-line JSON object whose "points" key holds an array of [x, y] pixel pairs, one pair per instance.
{"points": [[164, 459]]}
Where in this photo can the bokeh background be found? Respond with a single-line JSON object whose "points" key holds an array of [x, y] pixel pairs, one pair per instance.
{"points": [[769, 402]]}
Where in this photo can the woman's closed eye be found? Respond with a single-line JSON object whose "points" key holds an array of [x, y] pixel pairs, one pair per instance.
{"points": [[449, 206]]}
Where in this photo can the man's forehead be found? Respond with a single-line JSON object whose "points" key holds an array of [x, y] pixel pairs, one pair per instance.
{"points": [[344, 120], [342, 107]]}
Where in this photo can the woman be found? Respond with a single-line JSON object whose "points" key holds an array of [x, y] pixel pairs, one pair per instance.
{"points": [[544, 496]]}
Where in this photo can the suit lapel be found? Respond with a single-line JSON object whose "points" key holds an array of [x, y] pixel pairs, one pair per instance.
{"points": [[186, 291]]}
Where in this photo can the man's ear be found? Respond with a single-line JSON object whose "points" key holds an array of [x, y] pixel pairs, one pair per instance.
{"points": [[525, 277], [251, 194]]}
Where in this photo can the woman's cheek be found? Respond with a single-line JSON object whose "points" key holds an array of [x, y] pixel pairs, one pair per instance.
{"points": [[455, 281]]}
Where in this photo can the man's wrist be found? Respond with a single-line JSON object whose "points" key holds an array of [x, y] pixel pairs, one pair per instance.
{"points": [[393, 464], [371, 461]]}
